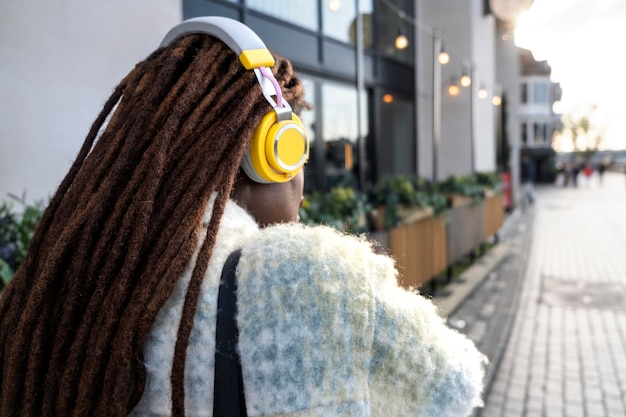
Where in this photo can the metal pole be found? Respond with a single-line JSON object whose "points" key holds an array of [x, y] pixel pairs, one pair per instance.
{"points": [[416, 80], [472, 119], [436, 104], [360, 85]]}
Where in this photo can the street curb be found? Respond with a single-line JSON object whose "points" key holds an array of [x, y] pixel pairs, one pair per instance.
{"points": [[458, 291], [470, 279]]}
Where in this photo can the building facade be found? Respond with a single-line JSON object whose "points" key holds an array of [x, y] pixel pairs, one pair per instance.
{"points": [[359, 83], [379, 107], [372, 97], [536, 117]]}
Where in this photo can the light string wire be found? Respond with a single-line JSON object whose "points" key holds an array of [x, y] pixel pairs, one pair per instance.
{"points": [[431, 30]]}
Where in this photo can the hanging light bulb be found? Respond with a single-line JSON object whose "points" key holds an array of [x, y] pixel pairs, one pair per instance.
{"points": [[465, 80], [453, 88], [482, 92], [443, 56], [388, 98], [496, 100], [334, 5], [401, 40]]}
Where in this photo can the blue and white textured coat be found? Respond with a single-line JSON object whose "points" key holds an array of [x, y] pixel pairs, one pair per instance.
{"points": [[325, 330]]}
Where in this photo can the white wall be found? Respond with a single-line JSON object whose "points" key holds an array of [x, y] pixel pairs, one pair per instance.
{"points": [[484, 57], [469, 38], [456, 147], [60, 61], [425, 94]]}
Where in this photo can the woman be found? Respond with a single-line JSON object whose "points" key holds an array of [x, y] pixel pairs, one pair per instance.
{"points": [[113, 311]]}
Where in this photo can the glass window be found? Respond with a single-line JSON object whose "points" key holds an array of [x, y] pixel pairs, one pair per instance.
{"points": [[339, 20], [299, 12], [393, 21], [340, 133], [524, 132], [540, 93], [308, 120], [524, 93], [397, 123], [308, 116], [540, 131]]}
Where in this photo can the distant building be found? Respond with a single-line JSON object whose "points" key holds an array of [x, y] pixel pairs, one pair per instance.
{"points": [[536, 117]]}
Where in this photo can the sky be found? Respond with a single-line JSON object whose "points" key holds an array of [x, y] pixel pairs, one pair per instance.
{"points": [[583, 41]]}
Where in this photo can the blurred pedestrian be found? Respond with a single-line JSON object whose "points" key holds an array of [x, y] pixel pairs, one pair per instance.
{"points": [[560, 179], [587, 172], [601, 170], [575, 171]]}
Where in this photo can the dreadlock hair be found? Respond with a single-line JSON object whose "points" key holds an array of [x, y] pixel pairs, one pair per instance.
{"points": [[122, 227]]}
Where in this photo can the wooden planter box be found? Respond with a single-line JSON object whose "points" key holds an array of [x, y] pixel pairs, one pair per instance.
{"points": [[426, 247], [407, 216], [465, 228], [419, 249], [494, 215]]}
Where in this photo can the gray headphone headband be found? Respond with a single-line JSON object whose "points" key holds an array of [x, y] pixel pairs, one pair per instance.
{"points": [[233, 33]]}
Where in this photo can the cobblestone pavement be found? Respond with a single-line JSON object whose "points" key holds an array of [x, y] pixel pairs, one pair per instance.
{"points": [[552, 317]]}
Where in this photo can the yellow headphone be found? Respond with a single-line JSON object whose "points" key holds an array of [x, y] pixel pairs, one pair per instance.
{"points": [[280, 147]]}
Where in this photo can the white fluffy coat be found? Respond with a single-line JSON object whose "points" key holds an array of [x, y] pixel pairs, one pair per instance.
{"points": [[325, 330]]}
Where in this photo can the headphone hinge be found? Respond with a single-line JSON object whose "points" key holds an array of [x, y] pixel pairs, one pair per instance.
{"points": [[283, 114]]}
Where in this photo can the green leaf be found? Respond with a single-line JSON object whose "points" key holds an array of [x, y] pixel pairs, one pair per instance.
{"points": [[6, 273]]}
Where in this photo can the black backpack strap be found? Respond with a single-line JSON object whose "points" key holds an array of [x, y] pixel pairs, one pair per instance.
{"points": [[228, 395]]}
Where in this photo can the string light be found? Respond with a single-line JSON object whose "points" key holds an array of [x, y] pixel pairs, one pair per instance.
{"points": [[401, 40], [443, 56], [466, 77], [453, 88], [334, 5], [466, 80]]}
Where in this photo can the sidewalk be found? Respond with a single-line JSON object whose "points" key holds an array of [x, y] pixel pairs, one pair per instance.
{"points": [[482, 303], [551, 316]]}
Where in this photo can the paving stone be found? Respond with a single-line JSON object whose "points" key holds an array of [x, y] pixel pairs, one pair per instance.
{"points": [[594, 409], [574, 410]]}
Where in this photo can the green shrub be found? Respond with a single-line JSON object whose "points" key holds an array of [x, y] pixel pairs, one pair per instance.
{"points": [[342, 207], [463, 185], [16, 231], [490, 180], [400, 192]]}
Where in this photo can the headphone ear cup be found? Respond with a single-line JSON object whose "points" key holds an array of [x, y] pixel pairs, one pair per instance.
{"points": [[248, 168], [278, 151]]}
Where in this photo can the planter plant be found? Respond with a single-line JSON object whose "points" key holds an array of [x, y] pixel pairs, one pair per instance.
{"points": [[432, 196], [491, 181], [343, 208], [16, 232], [465, 187], [401, 200]]}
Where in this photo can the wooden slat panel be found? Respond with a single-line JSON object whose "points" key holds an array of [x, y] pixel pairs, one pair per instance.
{"points": [[494, 215], [419, 250], [465, 229]]}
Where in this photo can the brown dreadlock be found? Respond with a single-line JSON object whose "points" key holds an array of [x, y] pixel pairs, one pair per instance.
{"points": [[122, 227]]}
